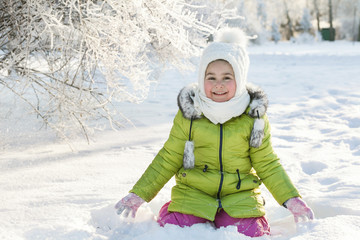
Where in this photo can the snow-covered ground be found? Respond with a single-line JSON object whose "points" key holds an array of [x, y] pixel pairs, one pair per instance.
{"points": [[48, 191]]}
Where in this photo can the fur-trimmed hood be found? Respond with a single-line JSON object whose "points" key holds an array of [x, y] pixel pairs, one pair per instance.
{"points": [[258, 106]]}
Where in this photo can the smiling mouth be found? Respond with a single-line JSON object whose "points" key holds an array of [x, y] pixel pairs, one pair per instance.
{"points": [[219, 93]]}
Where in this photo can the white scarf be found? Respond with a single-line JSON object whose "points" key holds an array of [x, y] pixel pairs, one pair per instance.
{"points": [[220, 112]]}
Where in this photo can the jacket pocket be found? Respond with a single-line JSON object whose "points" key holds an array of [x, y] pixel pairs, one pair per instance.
{"points": [[249, 182], [237, 182], [198, 179]]}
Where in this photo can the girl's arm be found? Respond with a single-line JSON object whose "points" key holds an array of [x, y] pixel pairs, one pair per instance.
{"points": [[166, 163], [268, 167]]}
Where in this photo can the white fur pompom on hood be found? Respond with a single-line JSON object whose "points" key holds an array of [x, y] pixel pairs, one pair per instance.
{"points": [[232, 35]]}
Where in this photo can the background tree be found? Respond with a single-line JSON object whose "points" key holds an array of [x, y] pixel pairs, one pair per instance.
{"points": [[317, 14], [275, 33], [305, 22]]}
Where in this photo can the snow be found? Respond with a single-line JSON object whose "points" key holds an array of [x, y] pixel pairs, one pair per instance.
{"points": [[48, 191]]}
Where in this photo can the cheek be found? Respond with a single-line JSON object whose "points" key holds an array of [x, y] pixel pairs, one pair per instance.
{"points": [[232, 87], [207, 88]]}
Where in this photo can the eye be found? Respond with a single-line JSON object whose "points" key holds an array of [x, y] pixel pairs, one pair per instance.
{"points": [[211, 79]]}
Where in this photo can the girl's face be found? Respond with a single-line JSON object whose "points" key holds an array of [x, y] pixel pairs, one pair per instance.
{"points": [[220, 84]]}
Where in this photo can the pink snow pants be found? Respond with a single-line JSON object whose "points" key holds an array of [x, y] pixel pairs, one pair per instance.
{"points": [[252, 227]]}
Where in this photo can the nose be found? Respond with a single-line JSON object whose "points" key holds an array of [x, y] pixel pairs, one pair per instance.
{"points": [[219, 84]]}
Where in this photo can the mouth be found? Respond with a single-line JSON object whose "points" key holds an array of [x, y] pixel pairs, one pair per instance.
{"points": [[219, 93]]}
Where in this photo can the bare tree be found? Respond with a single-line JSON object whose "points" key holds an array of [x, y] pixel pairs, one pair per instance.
{"points": [[289, 33], [275, 33], [72, 61], [332, 36], [317, 14]]}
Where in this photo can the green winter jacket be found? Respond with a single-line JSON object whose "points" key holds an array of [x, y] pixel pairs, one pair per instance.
{"points": [[227, 171]]}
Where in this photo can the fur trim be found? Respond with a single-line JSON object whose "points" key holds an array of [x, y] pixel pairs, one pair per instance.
{"points": [[189, 158], [259, 101], [186, 102], [257, 133]]}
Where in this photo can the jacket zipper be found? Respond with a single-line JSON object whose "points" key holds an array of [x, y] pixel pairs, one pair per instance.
{"points": [[221, 166]]}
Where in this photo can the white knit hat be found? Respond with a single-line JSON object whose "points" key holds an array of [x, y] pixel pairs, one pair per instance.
{"points": [[230, 45]]}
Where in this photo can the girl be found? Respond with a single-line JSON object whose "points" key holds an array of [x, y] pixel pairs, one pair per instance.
{"points": [[219, 150]]}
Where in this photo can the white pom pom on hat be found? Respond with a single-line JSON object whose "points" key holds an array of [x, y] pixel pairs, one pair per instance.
{"points": [[229, 45], [232, 35]]}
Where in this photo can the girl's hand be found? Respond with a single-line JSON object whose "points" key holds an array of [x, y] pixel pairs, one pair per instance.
{"points": [[130, 203], [299, 209]]}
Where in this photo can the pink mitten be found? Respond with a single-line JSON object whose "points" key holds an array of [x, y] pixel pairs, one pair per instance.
{"points": [[130, 203], [299, 209]]}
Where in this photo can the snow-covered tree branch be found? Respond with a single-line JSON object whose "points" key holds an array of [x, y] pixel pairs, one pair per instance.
{"points": [[72, 60]]}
